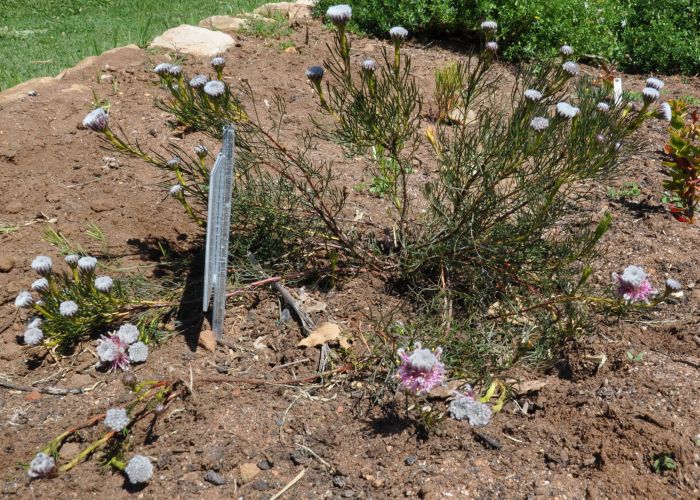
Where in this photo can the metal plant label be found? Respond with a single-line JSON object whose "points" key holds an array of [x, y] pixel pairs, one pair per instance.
{"points": [[218, 229]]}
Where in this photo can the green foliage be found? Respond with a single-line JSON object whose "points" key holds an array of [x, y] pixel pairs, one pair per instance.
{"points": [[640, 35], [683, 162], [629, 189], [662, 462]]}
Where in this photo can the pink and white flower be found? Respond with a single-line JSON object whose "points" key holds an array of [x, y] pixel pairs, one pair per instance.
{"points": [[421, 370], [633, 285]]}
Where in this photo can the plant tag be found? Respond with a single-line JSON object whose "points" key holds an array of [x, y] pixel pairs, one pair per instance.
{"points": [[218, 230], [617, 91]]}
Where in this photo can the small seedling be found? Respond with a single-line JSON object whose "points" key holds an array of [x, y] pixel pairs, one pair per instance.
{"points": [[629, 189], [663, 462], [636, 358]]}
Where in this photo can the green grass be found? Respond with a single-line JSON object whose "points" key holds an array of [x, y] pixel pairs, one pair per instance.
{"points": [[43, 37]]}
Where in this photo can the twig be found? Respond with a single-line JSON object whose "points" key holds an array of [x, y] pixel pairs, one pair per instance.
{"points": [[487, 440], [265, 281], [288, 485], [54, 391], [330, 468], [292, 363]]}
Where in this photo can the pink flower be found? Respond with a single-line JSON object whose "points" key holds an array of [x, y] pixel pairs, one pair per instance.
{"points": [[633, 285], [421, 370], [112, 352]]}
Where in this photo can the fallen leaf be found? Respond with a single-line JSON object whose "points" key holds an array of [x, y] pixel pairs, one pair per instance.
{"points": [[527, 386], [323, 334], [207, 339], [314, 306]]}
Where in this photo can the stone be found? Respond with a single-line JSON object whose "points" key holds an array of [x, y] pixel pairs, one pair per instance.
{"points": [[248, 472], [7, 263], [103, 205], [10, 351], [214, 477], [200, 42], [231, 23], [291, 10], [106, 78]]}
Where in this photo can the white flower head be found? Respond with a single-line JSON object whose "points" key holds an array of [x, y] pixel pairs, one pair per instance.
{"points": [[128, 333], [491, 47], [314, 73], [42, 264], [634, 275], [215, 88], [603, 107], [201, 150], [566, 50], [218, 63], [40, 285], [199, 81], [138, 352], [655, 83], [139, 469], [175, 70], [664, 112], [570, 67], [369, 65], [104, 283], [24, 300], [339, 14], [96, 120], [116, 419], [162, 69], [35, 322], [533, 95], [539, 123], [41, 466], [72, 260], [566, 110], [68, 308], [489, 26], [424, 359], [398, 33], [650, 95], [33, 336], [87, 264], [175, 189], [673, 285]]}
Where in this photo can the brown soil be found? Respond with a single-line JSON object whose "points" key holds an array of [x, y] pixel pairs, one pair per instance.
{"points": [[588, 432]]}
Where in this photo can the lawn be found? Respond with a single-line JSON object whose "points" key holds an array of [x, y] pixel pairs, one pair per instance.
{"points": [[43, 37]]}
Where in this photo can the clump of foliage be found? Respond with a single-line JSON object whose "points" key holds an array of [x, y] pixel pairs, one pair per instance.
{"points": [[683, 162], [639, 35]]}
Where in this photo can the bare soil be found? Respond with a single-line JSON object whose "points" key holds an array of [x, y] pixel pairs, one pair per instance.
{"points": [[588, 432]]}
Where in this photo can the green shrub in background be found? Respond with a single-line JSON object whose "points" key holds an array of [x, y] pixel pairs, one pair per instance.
{"points": [[661, 36]]}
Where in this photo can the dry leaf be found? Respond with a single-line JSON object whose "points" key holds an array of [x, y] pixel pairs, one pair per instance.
{"points": [[207, 339], [527, 386], [314, 306], [325, 333]]}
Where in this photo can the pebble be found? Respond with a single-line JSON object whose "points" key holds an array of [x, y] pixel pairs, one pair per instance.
{"points": [[7, 263], [339, 482], [13, 207], [410, 460], [260, 485], [248, 472], [347, 494], [103, 205], [214, 478], [264, 464]]}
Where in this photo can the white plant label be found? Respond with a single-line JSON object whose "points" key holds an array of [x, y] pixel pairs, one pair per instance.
{"points": [[617, 91], [218, 230]]}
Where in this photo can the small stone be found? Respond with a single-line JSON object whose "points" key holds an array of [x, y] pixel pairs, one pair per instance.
{"points": [[291, 50], [214, 477], [260, 485], [7, 263], [32, 93], [347, 494], [264, 464], [339, 482], [298, 458], [410, 460], [69, 451], [222, 368], [248, 472], [103, 205], [106, 78]]}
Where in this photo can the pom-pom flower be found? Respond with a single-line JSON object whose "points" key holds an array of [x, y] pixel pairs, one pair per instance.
{"points": [[464, 407], [218, 63], [96, 120], [173, 162], [42, 265], [673, 285], [72, 260], [566, 110], [398, 33], [533, 95], [175, 70], [40, 285], [489, 26], [655, 83], [162, 69], [421, 370], [33, 336], [570, 68], [314, 74], [139, 470], [35, 322], [369, 65], [201, 151], [603, 107], [539, 123], [68, 308], [116, 419], [339, 14], [103, 283], [600, 138], [138, 352], [491, 47], [650, 95], [633, 285], [41, 466], [128, 333], [175, 189], [24, 299], [199, 81], [566, 50], [112, 352], [87, 264], [664, 112], [214, 88]]}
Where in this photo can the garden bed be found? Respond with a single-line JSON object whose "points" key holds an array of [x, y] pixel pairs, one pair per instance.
{"points": [[582, 430]]}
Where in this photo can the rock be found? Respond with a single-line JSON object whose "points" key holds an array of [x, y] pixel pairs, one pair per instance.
{"points": [[214, 477], [291, 10], [410, 460], [291, 50], [194, 40], [248, 472], [7, 263], [13, 207], [231, 23], [261, 485], [103, 205], [10, 351], [106, 78], [339, 482], [264, 464]]}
